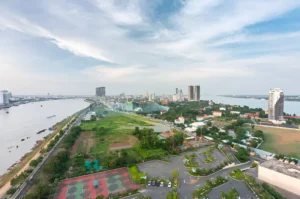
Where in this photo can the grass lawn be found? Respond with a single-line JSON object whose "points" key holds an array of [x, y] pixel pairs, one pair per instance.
{"points": [[283, 141], [237, 174], [136, 174]]}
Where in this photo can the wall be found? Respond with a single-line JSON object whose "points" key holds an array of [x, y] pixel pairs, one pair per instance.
{"points": [[278, 179]]}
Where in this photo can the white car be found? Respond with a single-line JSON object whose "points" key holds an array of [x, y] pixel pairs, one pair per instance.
{"points": [[170, 185], [161, 184]]}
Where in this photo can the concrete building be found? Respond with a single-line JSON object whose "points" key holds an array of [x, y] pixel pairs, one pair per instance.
{"points": [[191, 93], [4, 97], [217, 113], [100, 92], [180, 120], [235, 112], [280, 174], [152, 97], [146, 95], [178, 96], [197, 93], [276, 105], [176, 91], [130, 106]]}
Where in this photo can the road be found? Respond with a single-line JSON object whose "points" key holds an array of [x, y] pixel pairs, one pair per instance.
{"points": [[20, 193]]}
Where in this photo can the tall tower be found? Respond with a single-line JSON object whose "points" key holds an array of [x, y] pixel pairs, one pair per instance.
{"points": [[191, 93], [276, 104], [197, 93], [100, 92], [176, 90]]}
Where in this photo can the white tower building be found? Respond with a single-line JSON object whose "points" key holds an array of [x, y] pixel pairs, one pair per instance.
{"points": [[276, 104]]}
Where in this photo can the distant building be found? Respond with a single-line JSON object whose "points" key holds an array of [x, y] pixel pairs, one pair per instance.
{"points": [[4, 97], [165, 135], [146, 95], [191, 93], [197, 93], [130, 106], [235, 112], [100, 92], [178, 96], [210, 103], [176, 91], [180, 120], [283, 175], [276, 105], [88, 116], [152, 97], [217, 113], [194, 93], [222, 108]]}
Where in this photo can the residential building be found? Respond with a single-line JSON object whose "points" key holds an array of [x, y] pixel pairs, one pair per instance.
{"points": [[281, 174], [191, 93], [152, 97], [146, 95], [4, 97], [166, 135], [217, 113], [197, 93], [222, 109], [276, 105], [235, 112], [178, 96], [180, 120], [176, 91], [100, 92]]}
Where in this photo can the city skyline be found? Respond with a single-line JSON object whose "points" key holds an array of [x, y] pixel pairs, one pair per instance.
{"points": [[70, 48]]}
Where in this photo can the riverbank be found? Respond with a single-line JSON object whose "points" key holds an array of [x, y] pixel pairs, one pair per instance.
{"points": [[34, 154]]}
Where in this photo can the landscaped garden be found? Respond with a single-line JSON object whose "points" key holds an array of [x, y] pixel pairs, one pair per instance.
{"points": [[208, 155], [232, 194], [189, 160], [136, 175], [203, 192], [237, 174]]}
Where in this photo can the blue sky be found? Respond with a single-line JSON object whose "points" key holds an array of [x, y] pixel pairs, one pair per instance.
{"points": [[226, 46]]}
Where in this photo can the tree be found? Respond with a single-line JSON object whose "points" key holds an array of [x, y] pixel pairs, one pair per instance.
{"points": [[252, 126], [253, 143], [100, 197], [242, 154], [259, 134], [209, 123], [175, 173], [198, 132], [33, 163]]}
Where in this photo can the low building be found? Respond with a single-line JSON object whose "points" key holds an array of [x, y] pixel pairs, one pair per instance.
{"points": [[217, 113], [280, 174], [180, 120], [222, 109], [88, 116], [235, 112], [197, 124]]}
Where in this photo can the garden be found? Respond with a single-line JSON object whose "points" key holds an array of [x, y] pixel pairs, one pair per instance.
{"points": [[232, 194], [208, 154], [203, 192], [207, 171], [237, 175], [189, 160]]}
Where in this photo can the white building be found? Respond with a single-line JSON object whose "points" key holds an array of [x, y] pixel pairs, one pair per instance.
{"points": [[198, 124], [180, 120], [89, 115], [217, 113], [235, 112], [280, 174], [178, 96], [152, 97], [276, 104], [4, 97], [222, 108]]}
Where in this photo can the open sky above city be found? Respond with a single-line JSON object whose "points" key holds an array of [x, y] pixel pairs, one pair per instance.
{"points": [[72, 47]]}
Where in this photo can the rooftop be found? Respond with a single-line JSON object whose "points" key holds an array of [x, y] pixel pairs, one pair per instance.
{"points": [[285, 168]]}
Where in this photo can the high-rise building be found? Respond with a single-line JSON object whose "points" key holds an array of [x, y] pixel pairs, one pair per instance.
{"points": [[146, 95], [197, 93], [4, 97], [191, 93], [100, 92], [152, 97], [276, 104], [176, 91]]}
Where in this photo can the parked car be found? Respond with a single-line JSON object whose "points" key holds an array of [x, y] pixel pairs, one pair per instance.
{"points": [[149, 183], [170, 184], [153, 183], [161, 184], [157, 183]]}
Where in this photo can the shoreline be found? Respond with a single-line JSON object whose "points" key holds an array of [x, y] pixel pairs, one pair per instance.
{"points": [[35, 152], [256, 98]]}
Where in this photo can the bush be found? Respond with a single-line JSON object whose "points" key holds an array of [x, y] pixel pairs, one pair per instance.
{"points": [[272, 191], [136, 174]]}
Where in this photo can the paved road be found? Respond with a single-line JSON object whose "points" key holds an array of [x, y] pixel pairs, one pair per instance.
{"points": [[22, 190]]}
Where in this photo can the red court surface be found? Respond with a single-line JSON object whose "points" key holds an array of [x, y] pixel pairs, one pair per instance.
{"points": [[113, 181]]}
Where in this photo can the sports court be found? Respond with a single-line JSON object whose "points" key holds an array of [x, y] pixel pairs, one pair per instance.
{"points": [[112, 181]]}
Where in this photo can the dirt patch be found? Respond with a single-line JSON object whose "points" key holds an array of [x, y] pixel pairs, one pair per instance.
{"points": [[121, 145], [84, 139]]}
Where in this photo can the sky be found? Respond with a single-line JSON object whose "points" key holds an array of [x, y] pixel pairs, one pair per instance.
{"points": [[135, 46]]}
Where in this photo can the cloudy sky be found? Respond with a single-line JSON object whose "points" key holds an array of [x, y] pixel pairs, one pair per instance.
{"points": [[134, 46]]}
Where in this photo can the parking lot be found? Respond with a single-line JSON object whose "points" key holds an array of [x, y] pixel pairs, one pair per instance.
{"points": [[200, 158], [240, 186]]}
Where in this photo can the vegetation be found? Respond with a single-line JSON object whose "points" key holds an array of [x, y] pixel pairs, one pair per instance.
{"points": [[254, 165], [203, 192], [207, 171], [232, 194], [208, 155], [189, 161], [173, 194], [136, 175], [35, 162], [242, 154], [272, 191], [237, 174]]}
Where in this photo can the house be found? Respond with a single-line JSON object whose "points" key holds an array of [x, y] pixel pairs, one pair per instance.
{"points": [[222, 109], [165, 135], [200, 118], [217, 113], [180, 120], [197, 124], [235, 112]]}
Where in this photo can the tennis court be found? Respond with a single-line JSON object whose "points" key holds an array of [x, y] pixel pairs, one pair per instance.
{"points": [[108, 182]]}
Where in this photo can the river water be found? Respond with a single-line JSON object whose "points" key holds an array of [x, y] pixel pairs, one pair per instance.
{"points": [[289, 106], [25, 121]]}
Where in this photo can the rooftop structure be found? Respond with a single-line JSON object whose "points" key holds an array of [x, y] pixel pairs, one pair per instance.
{"points": [[284, 168]]}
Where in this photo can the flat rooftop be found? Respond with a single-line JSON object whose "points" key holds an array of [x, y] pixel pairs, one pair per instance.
{"points": [[285, 168]]}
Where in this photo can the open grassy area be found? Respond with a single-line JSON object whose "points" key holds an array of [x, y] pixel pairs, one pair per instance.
{"points": [[283, 141]]}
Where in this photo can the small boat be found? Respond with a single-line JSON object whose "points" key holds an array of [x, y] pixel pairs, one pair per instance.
{"points": [[41, 131], [41, 105], [51, 116], [7, 112]]}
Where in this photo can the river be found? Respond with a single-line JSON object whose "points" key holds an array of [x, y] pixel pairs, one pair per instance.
{"points": [[290, 107], [25, 121]]}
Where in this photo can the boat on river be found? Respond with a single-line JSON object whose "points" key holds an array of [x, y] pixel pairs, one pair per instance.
{"points": [[51, 116]]}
